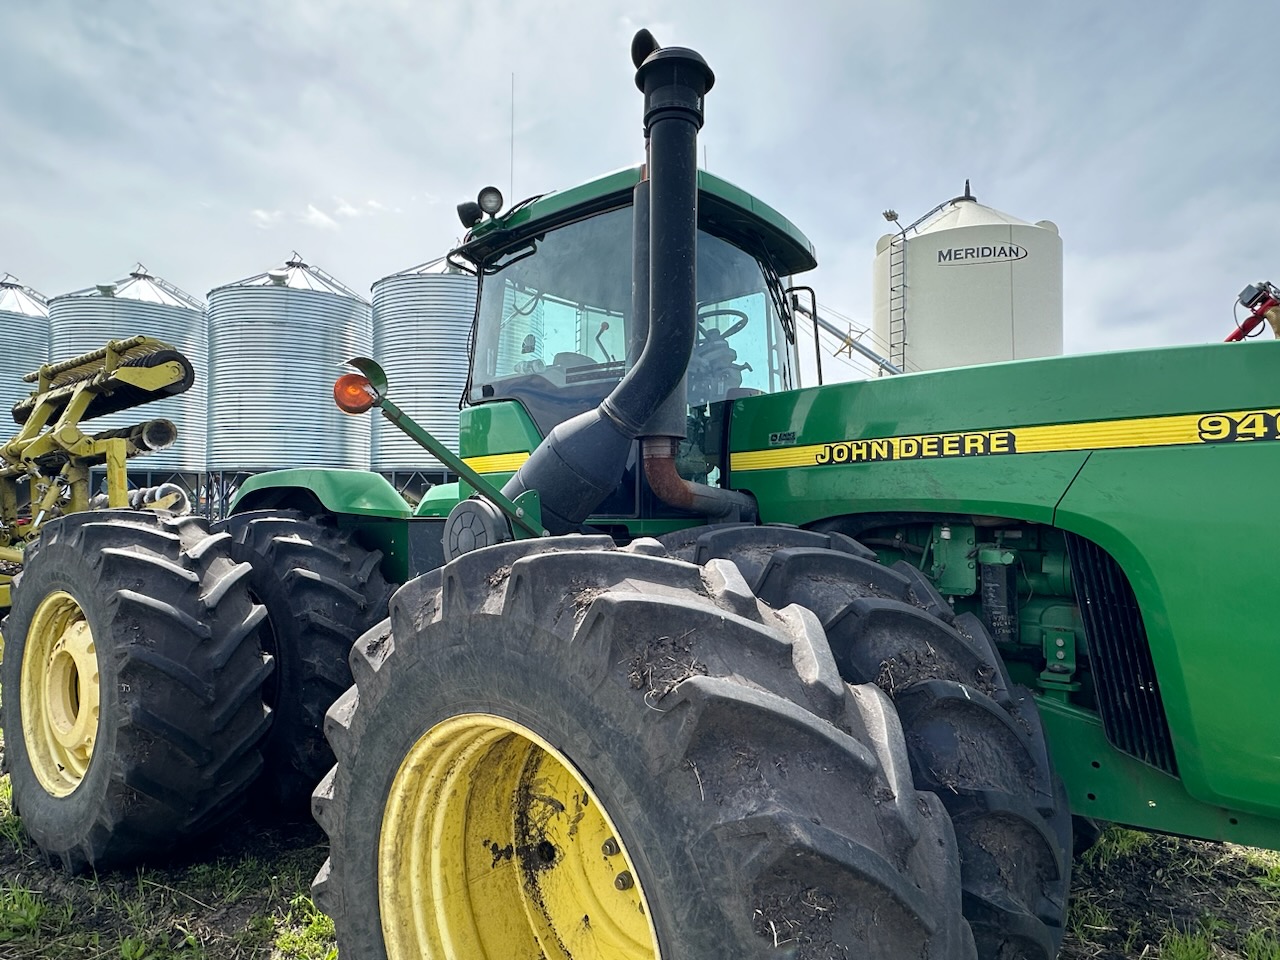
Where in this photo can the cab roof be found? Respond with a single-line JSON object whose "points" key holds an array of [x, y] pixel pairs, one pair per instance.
{"points": [[725, 208]]}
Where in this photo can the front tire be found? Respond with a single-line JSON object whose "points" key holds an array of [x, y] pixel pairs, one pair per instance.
{"points": [[558, 748], [132, 683], [974, 738]]}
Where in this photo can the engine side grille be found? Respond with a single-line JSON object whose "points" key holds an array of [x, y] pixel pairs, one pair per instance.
{"points": [[1129, 700]]}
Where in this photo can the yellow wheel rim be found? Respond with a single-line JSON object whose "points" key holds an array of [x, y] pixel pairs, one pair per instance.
{"points": [[60, 694], [494, 846]]}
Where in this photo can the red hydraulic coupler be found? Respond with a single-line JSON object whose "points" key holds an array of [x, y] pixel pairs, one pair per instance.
{"points": [[1259, 299]]}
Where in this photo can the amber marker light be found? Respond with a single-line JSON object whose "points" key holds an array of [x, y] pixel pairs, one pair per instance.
{"points": [[353, 393]]}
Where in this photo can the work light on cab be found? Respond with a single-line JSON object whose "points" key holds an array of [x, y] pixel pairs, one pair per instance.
{"points": [[490, 200], [353, 393]]}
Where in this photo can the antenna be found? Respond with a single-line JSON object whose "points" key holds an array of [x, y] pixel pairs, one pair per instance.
{"points": [[511, 184]]}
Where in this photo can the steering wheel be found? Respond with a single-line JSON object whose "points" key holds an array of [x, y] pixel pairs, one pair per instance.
{"points": [[738, 327]]}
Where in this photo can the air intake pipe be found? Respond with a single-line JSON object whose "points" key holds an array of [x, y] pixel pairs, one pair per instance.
{"points": [[582, 460]]}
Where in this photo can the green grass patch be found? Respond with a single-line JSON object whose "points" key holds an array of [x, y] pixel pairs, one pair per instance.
{"points": [[307, 934], [1261, 945], [10, 823], [1187, 946], [248, 901], [1117, 842], [21, 914], [1266, 867], [1087, 919]]}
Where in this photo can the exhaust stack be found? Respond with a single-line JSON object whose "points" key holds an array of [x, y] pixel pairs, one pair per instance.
{"points": [[582, 460]]}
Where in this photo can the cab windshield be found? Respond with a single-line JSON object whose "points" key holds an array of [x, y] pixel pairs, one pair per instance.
{"points": [[555, 315]]}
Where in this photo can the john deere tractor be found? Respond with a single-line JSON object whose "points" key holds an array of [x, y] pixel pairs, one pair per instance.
{"points": [[695, 662]]}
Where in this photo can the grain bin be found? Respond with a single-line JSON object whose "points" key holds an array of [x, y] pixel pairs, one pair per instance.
{"points": [[24, 342], [967, 284], [277, 341], [140, 303], [421, 325]]}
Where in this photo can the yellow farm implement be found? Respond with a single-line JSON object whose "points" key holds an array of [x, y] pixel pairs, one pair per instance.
{"points": [[45, 467]]}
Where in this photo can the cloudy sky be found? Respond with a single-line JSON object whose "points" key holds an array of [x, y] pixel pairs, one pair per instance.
{"points": [[208, 140]]}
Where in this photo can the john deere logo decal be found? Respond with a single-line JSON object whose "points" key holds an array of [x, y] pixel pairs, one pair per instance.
{"points": [[978, 444], [1230, 427]]}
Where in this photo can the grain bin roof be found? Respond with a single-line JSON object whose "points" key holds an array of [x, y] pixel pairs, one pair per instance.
{"points": [[140, 285], [15, 298], [440, 265], [296, 274]]}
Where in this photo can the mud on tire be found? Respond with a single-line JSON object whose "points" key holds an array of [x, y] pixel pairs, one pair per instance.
{"points": [[974, 739], [765, 807], [321, 590], [163, 618]]}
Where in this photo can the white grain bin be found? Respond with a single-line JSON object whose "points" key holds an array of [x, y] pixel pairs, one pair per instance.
{"points": [[24, 344], [421, 326], [277, 341], [142, 304], [967, 284]]}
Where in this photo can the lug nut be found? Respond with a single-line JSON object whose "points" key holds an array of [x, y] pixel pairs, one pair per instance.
{"points": [[623, 881], [611, 848]]}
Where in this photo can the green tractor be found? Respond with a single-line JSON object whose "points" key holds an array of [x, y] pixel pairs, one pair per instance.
{"points": [[716, 666], [695, 662]]}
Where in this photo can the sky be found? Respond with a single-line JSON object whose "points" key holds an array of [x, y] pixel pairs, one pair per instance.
{"points": [[209, 140]]}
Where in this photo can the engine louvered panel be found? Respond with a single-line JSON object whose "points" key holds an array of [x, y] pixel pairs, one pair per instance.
{"points": [[1128, 694]]}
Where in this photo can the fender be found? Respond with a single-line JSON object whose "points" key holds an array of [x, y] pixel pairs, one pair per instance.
{"points": [[356, 492]]}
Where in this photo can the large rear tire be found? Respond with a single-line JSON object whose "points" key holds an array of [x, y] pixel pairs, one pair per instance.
{"points": [[132, 683], [322, 590], [559, 749], [974, 738]]}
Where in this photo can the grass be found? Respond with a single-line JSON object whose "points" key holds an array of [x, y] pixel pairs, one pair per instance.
{"points": [[1117, 842], [10, 826], [1162, 898], [21, 913], [1187, 946], [246, 899], [308, 933], [1261, 945], [1211, 942], [1267, 863], [236, 906], [1088, 918], [1134, 895]]}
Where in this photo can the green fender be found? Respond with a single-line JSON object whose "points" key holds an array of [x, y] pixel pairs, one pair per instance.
{"points": [[440, 499], [352, 492]]}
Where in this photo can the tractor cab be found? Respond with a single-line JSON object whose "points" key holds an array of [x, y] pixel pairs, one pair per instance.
{"points": [[554, 328]]}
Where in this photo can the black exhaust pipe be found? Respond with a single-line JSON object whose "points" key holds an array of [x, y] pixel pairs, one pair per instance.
{"points": [[582, 460]]}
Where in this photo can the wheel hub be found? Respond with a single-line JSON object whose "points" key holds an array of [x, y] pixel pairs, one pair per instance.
{"points": [[61, 694], [493, 845]]}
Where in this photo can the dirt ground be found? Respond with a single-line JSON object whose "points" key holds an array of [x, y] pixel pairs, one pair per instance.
{"points": [[1141, 895], [245, 895]]}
